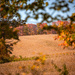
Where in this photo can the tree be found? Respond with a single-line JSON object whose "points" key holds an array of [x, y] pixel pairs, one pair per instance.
{"points": [[39, 29], [26, 30], [6, 33], [66, 31]]}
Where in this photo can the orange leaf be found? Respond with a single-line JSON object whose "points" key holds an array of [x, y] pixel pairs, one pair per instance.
{"points": [[5, 17], [1, 9]]}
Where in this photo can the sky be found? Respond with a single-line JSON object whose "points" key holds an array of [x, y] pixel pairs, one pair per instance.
{"points": [[34, 21]]}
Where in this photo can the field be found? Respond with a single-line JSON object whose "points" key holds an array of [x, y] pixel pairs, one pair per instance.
{"points": [[56, 59]]}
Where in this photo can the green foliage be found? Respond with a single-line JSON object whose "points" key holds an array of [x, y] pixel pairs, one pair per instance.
{"points": [[3, 51], [63, 71], [40, 30], [56, 67], [26, 30], [13, 58], [6, 33]]}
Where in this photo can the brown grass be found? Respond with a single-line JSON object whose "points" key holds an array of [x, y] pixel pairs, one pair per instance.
{"points": [[33, 45]]}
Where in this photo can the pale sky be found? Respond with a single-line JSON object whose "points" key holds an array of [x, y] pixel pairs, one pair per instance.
{"points": [[34, 21]]}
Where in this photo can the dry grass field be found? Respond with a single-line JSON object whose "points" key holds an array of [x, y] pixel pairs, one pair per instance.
{"points": [[32, 45], [37, 45]]}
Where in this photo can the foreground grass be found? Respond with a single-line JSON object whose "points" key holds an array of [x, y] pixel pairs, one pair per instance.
{"points": [[14, 58], [42, 64], [20, 58], [38, 67]]}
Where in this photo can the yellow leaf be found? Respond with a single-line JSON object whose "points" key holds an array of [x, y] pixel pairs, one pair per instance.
{"points": [[33, 67], [46, 3], [73, 14], [43, 58]]}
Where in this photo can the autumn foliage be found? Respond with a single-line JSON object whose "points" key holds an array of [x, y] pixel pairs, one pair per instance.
{"points": [[67, 32]]}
